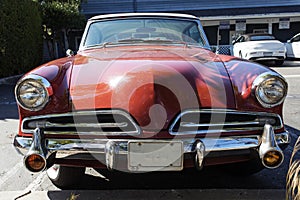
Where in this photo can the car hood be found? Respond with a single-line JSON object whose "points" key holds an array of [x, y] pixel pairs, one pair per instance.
{"points": [[152, 83], [274, 45]]}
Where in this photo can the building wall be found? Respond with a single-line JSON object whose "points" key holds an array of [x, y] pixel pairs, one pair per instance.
{"points": [[263, 23], [92, 7], [259, 15], [283, 34]]}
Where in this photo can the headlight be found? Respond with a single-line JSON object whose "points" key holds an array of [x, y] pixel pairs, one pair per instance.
{"points": [[32, 92], [270, 89]]}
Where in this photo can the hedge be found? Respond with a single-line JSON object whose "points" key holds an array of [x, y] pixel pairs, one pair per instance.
{"points": [[21, 36]]}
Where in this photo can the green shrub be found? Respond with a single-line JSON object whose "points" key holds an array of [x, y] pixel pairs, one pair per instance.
{"points": [[60, 17], [21, 36]]}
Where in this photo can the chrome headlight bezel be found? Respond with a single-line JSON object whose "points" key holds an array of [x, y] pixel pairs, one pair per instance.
{"points": [[41, 90], [278, 85]]}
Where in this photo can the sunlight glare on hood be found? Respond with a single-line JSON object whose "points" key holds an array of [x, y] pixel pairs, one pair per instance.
{"points": [[115, 81]]}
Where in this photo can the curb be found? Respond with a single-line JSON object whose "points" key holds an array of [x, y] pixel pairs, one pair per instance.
{"points": [[12, 80], [170, 194]]}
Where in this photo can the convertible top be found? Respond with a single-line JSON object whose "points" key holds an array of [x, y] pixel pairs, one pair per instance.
{"points": [[120, 15]]}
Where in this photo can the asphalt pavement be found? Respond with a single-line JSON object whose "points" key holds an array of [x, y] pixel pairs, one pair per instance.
{"points": [[188, 194]]}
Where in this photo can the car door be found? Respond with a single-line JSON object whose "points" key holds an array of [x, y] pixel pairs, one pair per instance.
{"points": [[295, 44], [237, 46]]}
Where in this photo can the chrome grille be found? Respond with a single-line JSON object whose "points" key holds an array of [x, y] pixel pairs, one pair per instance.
{"points": [[103, 122], [219, 121]]}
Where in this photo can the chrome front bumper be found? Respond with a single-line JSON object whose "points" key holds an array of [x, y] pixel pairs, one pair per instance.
{"points": [[67, 147], [111, 148]]}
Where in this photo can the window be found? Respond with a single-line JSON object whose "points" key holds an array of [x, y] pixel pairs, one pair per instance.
{"points": [[262, 30], [296, 39], [261, 37], [193, 34], [144, 29]]}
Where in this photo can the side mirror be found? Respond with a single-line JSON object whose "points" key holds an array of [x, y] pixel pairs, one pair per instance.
{"points": [[70, 53]]}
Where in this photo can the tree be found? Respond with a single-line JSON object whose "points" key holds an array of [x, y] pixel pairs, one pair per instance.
{"points": [[60, 16], [20, 36]]}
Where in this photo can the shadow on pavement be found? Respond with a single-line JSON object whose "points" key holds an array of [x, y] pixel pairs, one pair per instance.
{"points": [[169, 194], [287, 63], [210, 177], [290, 63]]}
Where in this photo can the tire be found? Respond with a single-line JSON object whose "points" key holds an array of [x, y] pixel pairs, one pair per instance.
{"points": [[65, 177], [279, 62]]}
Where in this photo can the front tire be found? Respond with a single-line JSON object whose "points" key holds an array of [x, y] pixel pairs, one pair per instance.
{"points": [[279, 62], [65, 177]]}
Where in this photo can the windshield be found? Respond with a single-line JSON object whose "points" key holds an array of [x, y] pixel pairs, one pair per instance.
{"points": [[262, 37], [155, 30]]}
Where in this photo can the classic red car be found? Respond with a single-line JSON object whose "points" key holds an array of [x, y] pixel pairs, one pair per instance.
{"points": [[146, 93]]}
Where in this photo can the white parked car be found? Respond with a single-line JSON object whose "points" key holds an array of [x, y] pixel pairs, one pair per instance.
{"points": [[259, 47], [293, 47]]}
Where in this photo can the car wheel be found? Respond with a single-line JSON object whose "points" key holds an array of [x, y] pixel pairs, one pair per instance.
{"points": [[279, 62], [65, 177], [245, 168]]}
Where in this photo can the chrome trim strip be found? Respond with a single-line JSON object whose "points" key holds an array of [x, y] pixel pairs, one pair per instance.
{"points": [[191, 124], [267, 58], [222, 129], [93, 133], [82, 125], [67, 147], [136, 131]]}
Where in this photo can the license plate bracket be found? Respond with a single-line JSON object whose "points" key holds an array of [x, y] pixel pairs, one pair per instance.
{"points": [[155, 156]]}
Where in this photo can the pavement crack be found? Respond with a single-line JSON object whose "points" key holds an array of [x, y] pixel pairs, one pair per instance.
{"points": [[23, 195]]}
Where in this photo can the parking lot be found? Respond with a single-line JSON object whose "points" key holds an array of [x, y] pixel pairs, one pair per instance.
{"points": [[184, 185]]}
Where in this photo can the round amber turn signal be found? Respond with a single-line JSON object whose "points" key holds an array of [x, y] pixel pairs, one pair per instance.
{"points": [[35, 163], [272, 158]]}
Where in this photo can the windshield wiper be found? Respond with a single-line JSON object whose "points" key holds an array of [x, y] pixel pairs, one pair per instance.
{"points": [[103, 45], [129, 40], [152, 41], [98, 45], [137, 40]]}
